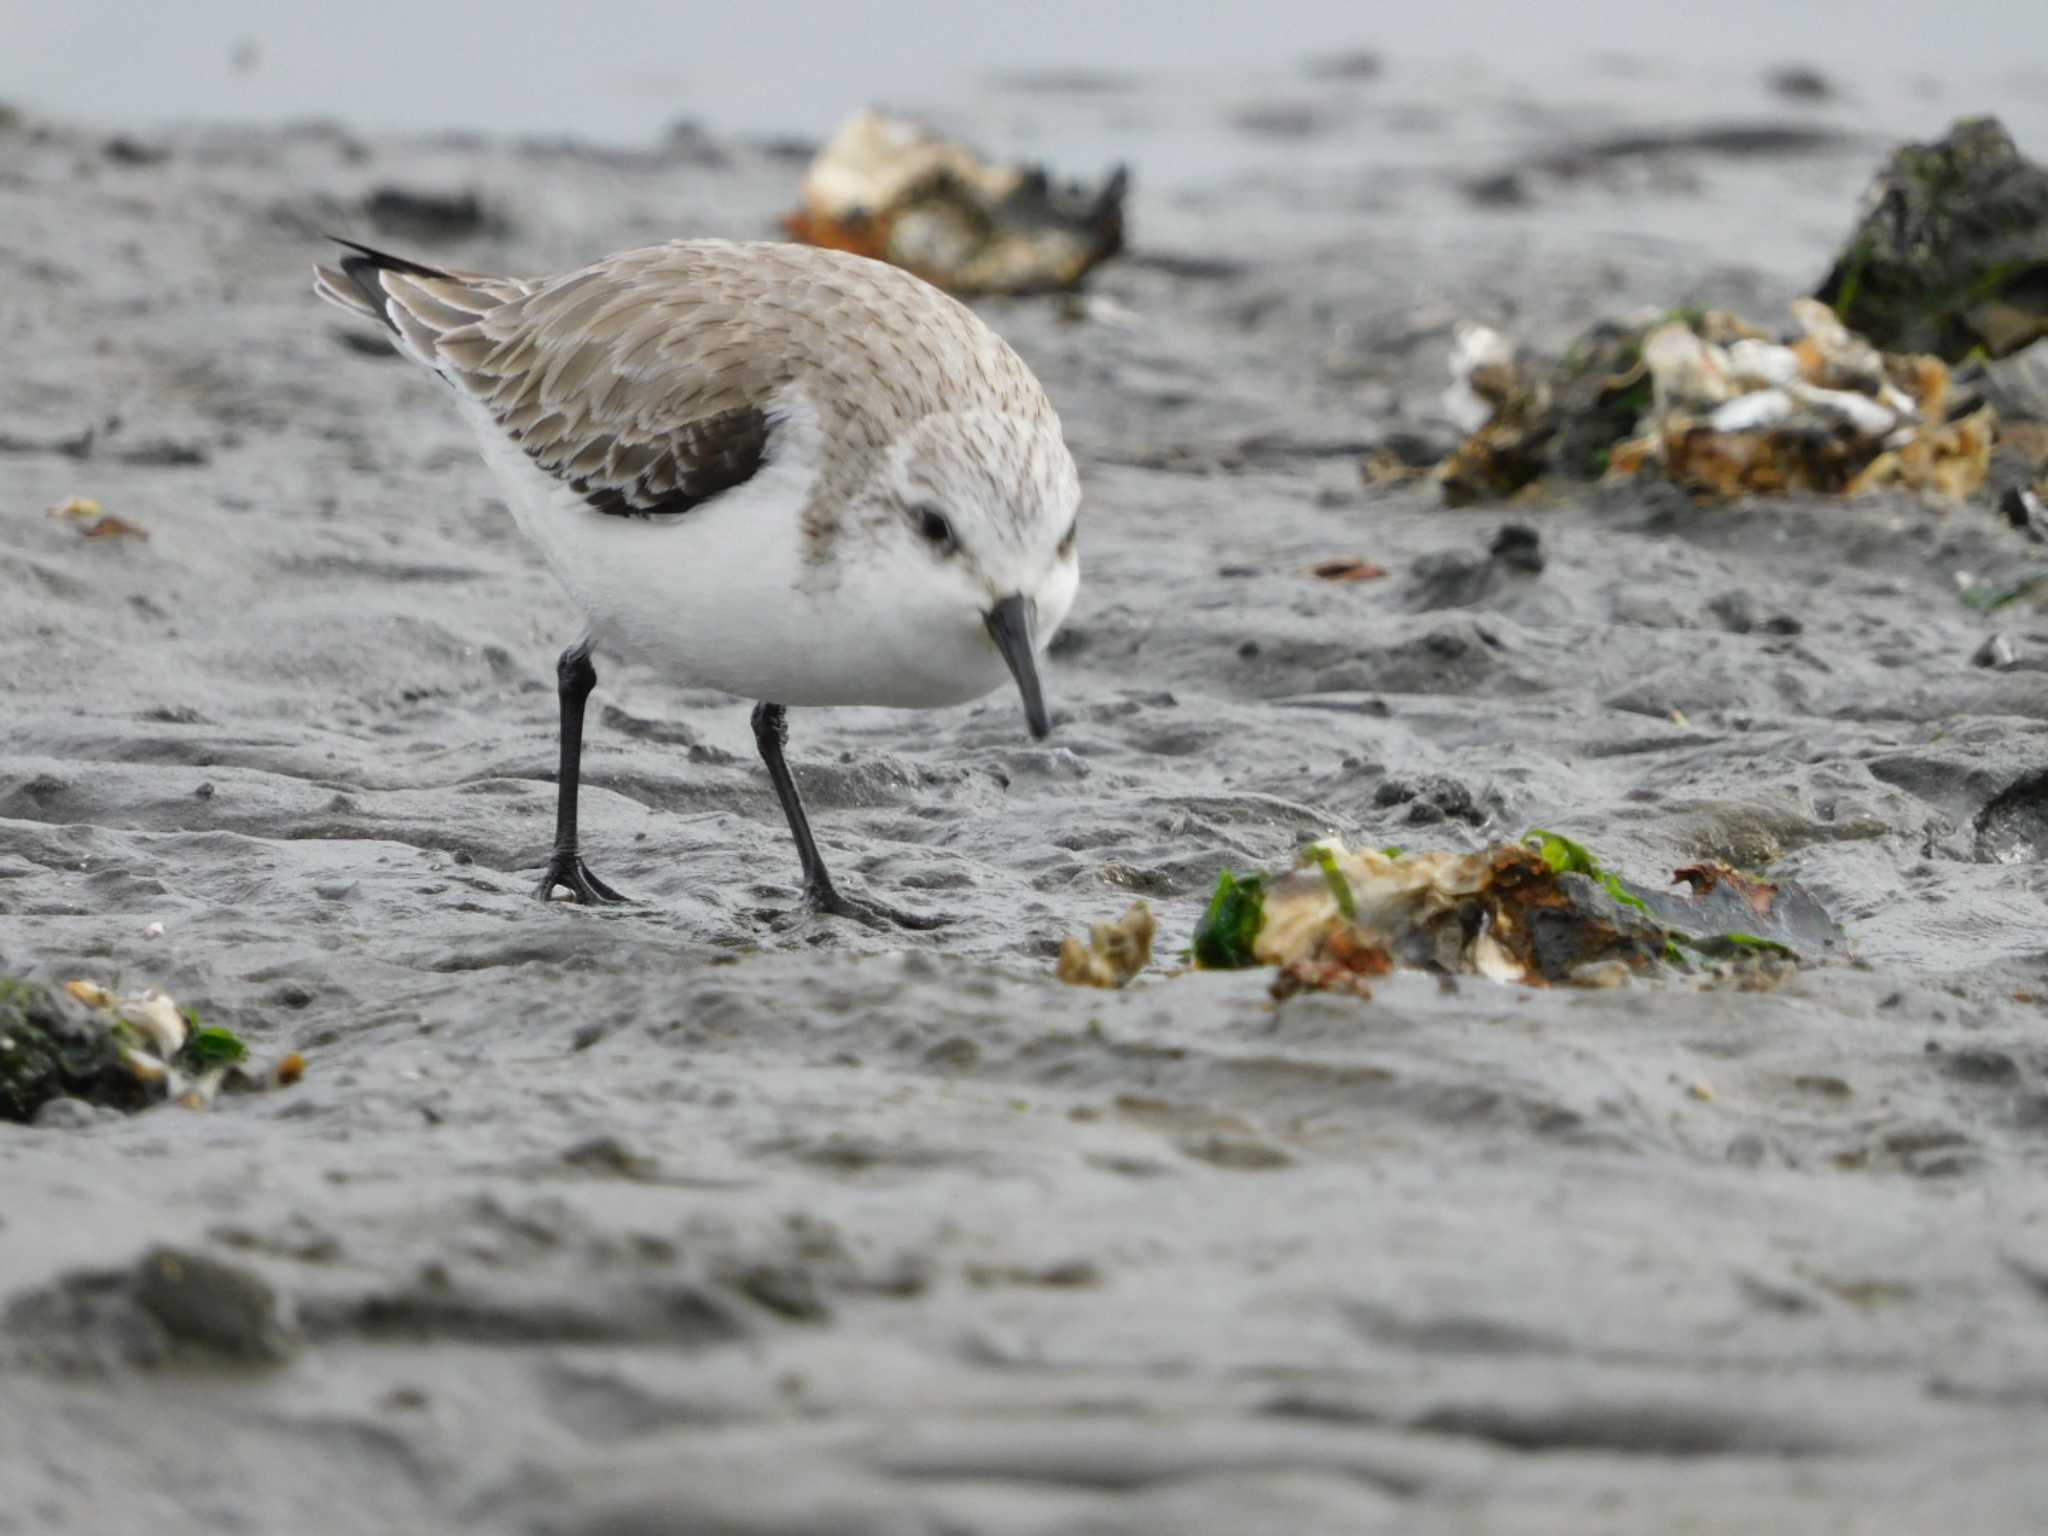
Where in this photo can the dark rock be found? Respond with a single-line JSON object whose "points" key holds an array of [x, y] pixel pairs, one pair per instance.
{"points": [[1589, 927], [1501, 189], [429, 216], [204, 1303], [1736, 611], [1800, 82], [1454, 579], [2013, 828], [1974, 1064], [1997, 651], [162, 453], [171, 1304], [1072, 640], [1518, 547], [2025, 511], [1950, 248], [1434, 799], [123, 150]]}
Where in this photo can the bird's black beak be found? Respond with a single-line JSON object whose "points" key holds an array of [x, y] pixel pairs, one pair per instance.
{"points": [[1011, 626]]}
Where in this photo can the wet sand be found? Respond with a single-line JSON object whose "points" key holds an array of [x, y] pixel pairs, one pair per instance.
{"points": [[710, 1216]]}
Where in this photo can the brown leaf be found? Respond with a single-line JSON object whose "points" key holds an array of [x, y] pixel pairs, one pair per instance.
{"points": [[1347, 568]]}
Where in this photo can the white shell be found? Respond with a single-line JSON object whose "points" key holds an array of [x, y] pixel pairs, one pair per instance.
{"points": [[1684, 369], [1753, 412], [1859, 411], [1473, 347], [159, 1020], [1762, 364]]}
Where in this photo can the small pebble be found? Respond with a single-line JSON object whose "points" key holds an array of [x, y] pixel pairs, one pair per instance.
{"points": [[153, 931], [1998, 651]]}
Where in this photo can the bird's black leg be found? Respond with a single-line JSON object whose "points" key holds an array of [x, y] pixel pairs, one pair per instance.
{"points": [[574, 678], [771, 732]]}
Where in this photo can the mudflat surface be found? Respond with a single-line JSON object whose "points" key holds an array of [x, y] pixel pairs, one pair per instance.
{"points": [[706, 1215]]}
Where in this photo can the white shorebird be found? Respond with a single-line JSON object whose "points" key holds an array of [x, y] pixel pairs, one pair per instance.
{"points": [[790, 474]]}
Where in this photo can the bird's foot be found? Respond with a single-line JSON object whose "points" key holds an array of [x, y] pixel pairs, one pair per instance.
{"points": [[824, 896], [570, 872]]}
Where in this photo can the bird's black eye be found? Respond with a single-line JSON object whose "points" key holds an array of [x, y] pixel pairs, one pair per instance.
{"points": [[936, 529]]}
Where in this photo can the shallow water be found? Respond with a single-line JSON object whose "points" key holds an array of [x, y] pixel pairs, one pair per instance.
{"points": [[706, 1215]]}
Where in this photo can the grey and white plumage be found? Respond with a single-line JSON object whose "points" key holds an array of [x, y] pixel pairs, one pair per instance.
{"points": [[792, 474]]}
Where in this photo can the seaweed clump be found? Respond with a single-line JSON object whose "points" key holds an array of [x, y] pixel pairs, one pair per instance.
{"points": [[82, 1042], [52, 1046], [1539, 912]]}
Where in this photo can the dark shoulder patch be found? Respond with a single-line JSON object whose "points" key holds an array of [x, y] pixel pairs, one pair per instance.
{"points": [[694, 462]]}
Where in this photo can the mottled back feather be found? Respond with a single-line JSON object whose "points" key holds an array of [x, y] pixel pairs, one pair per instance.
{"points": [[655, 379]]}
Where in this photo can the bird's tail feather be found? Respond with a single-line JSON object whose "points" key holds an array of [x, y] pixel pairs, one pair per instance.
{"points": [[417, 303]]}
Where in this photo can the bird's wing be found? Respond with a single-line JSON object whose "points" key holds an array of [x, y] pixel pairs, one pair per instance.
{"points": [[639, 388]]}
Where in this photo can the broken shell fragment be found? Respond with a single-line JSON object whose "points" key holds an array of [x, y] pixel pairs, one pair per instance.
{"points": [[1762, 364], [1859, 413], [1754, 412], [1686, 372], [157, 1017], [1114, 953], [90, 993], [1481, 362], [1830, 354], [892, 190], [83, 513]]}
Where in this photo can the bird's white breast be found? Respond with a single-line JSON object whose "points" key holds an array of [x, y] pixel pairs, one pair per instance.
{"points": [[722, 596]]}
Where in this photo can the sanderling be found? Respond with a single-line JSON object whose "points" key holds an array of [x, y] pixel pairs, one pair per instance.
{"points": [[790, 474]]}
